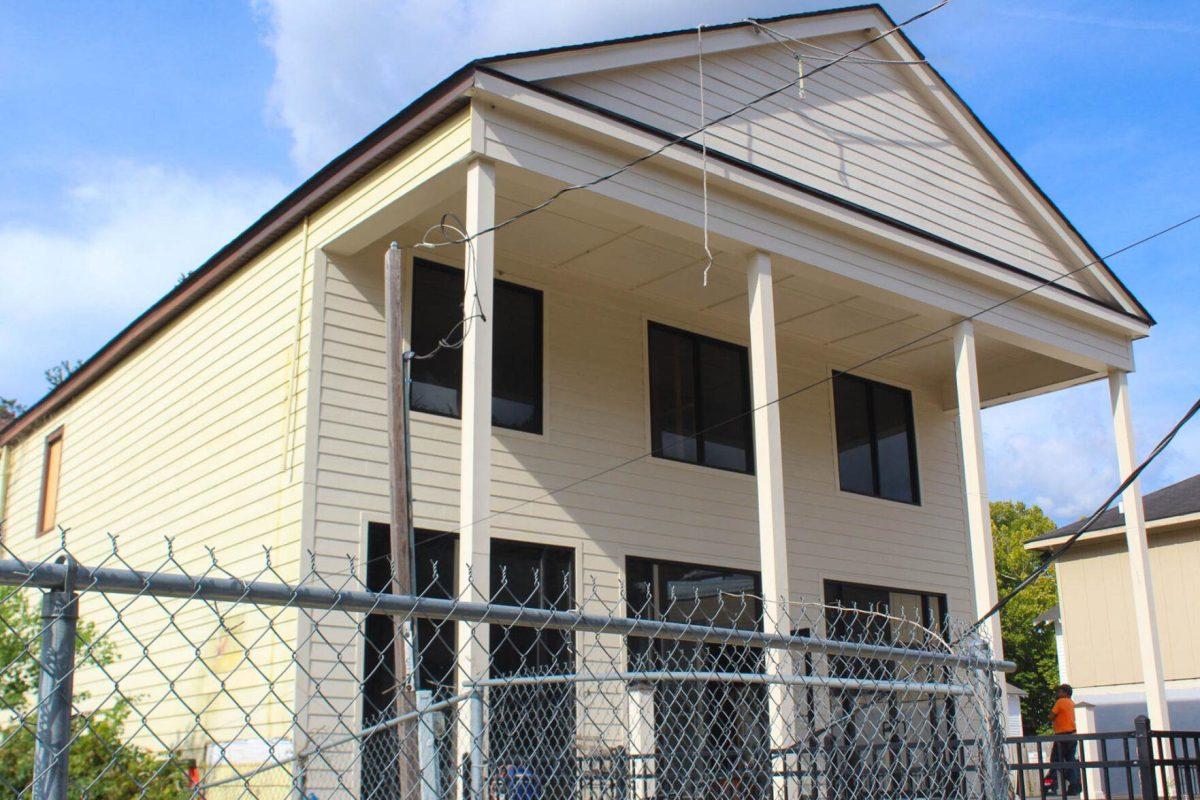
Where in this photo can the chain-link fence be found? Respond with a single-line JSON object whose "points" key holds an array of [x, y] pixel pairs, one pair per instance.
{"points": [[169, 682]]}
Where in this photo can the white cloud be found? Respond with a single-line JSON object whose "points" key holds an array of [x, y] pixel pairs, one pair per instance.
{"points": [[342, 71], [119, 241], [1058, 450]]}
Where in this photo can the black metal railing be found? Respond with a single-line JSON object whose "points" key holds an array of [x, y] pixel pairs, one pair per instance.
{"points": [[1141, 764]]}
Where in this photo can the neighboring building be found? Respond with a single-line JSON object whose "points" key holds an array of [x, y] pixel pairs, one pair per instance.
{"points": [[247, 407], [1095, 623]]}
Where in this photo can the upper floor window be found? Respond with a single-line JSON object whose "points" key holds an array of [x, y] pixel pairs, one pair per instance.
{"points": [[51, 466], [700, 400], [516, 348], [876, 440]]}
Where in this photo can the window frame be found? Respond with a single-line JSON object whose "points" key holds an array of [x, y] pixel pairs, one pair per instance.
{"points": [[701, 423], [913, 453], [540, 346], [55, 437], [828, 583]]}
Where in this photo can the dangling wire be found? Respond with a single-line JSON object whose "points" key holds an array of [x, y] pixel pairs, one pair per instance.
{"points": [[448, 342], [703, 150]]}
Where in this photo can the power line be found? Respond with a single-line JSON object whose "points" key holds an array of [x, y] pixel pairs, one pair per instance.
{"points": [[885, 354], [1057, 552], [682, 137]]}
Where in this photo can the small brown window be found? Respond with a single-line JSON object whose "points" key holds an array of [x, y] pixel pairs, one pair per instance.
{"points": [[51, 465]]}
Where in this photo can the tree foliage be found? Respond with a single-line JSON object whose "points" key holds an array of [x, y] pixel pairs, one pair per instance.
{"points": [[60, 372], [103, 764], [1028, 644]]}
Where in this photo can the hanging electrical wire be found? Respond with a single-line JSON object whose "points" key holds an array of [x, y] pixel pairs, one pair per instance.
{"points": [[703, 150], [787, 41], [464, 324], [1057, 552], [684, 137]]}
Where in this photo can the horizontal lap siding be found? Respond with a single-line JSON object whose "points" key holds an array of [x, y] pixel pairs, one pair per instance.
{"points": [[595, 418], [349, 463], [192, 437], [860, 133]]}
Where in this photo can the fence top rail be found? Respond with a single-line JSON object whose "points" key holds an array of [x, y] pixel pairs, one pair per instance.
{"points": [[44, 575]]}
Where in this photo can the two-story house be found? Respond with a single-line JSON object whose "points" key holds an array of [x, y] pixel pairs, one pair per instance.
{"points": [[801, 414]]}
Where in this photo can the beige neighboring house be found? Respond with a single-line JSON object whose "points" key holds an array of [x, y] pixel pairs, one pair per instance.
{"points": [[1095, 624], [247, 407]]}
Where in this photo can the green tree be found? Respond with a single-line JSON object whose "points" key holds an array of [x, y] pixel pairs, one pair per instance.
{"points": [[103, 764], [10, 409], [1029, 645]]}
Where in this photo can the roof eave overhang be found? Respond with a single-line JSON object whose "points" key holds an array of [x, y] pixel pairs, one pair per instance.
{"points": [[516, 91], [1157, 525], [423, 114]]}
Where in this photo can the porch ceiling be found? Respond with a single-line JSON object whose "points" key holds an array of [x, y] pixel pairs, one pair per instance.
{"points": [[846, 323]]}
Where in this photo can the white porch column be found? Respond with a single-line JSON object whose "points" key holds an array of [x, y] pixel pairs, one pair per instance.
{"points": [[768, 470], [768, 450], [474, 545], [1139, 556], [979, 515]]}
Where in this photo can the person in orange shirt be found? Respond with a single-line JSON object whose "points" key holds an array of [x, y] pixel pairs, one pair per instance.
{"points": [[1062, 721]]}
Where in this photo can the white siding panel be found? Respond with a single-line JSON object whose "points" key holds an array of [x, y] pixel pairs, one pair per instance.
{"points": [[861, 132]]}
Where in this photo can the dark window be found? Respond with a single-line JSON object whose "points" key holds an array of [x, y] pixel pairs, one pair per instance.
{"points": [[872, 722], [878, 615], [516, 348], [700, 400], [877, 443], [379, 676], [525, 720], [717, 723]]}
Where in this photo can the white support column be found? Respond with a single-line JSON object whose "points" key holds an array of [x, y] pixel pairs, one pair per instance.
{"points": [[474, 504], [768, 470], [979, 515], [1139, 556]]}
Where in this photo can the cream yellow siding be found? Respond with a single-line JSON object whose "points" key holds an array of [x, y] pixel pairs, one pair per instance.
{"points": [[190, 438], [199, 436], [1097, 609]]}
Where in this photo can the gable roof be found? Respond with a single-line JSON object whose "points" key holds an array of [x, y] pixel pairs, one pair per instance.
{"points": [[1176, 500], [406, 127]]}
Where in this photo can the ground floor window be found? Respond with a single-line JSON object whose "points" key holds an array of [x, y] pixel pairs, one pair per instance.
{"points": [[875, 722], [527, 724], [710, 736]]}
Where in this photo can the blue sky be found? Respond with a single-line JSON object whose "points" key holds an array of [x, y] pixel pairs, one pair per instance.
{"points": [[139, 137]]}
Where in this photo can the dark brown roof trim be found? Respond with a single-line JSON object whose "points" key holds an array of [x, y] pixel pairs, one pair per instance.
{"points": [[810, 190], [1100, 262], [417, 119]]}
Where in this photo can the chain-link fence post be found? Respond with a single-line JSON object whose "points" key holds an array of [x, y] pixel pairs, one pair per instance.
{"points": [[60, 611], [476, 735]]}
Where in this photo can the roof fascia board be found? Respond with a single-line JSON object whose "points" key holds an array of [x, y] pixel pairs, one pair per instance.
{"points": [[601, 121], [937, 91], [1156, 525], [634, 51]]}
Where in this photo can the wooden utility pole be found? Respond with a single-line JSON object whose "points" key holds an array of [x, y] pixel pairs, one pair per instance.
{"points": [[401, 519]]}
